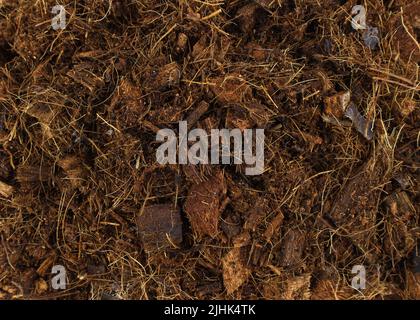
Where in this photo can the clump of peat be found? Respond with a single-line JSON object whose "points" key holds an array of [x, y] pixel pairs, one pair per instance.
{"points": [[79, 182]]}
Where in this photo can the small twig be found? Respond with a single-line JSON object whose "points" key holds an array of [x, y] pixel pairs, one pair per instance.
{"points": [[211, 15]]}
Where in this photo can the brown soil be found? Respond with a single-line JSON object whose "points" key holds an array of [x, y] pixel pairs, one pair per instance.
{"points": [[79, 181]]}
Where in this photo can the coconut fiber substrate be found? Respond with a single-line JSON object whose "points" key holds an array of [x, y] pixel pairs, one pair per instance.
{"points": [[87, 210]]}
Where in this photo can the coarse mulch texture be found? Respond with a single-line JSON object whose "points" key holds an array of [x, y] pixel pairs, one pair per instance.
{"points": [[79, 181]]}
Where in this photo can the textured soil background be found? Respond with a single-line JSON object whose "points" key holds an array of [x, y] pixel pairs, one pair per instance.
{"points": [[79, 181]]}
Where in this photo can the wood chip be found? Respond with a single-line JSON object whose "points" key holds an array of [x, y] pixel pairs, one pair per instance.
{"points": [[160, 227], [195, 115], [5, 189], [274, 226], [204, 205], [235, 273], [292, 248]]}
